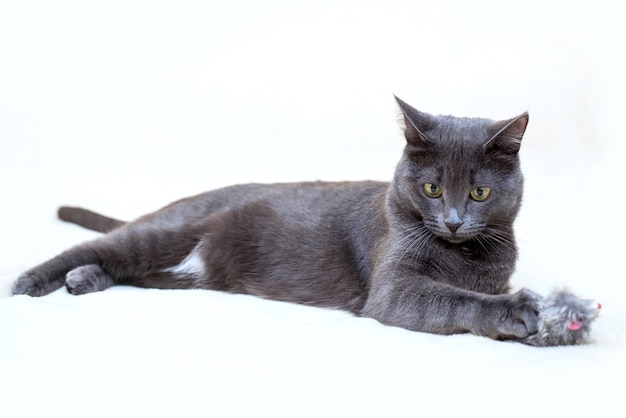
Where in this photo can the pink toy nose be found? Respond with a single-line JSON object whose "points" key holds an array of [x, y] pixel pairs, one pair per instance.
{"points": [[599, 305], [574, 326]]}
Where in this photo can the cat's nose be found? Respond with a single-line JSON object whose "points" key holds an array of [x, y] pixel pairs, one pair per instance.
{"points": [[453, 221], [453, 226]]}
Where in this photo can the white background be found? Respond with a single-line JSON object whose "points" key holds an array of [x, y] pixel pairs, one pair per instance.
{"points": [[124, 106]]}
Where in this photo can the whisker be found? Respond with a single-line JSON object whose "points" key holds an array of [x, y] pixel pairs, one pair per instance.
{"points": [[494, 236], [413, 242]]}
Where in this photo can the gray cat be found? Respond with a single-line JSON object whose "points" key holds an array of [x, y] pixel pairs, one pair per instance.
{"points": [[430, 251]]}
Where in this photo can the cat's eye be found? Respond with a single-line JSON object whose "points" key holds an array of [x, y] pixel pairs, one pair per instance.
{"points": [[480, 193], [432, 190]]}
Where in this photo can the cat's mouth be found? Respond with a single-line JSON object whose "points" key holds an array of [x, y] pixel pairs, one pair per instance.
{"points": [[454, 235]]}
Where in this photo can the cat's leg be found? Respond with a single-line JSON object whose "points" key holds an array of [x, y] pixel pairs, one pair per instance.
{"points": [[421, 304], [134, 255]]}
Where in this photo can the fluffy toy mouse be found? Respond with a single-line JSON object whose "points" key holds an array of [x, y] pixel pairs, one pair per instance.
{"points": [[564, 319]]}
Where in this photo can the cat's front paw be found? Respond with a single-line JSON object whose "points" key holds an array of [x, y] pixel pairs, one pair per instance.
{"points": [[32, 285], [518, 315]]}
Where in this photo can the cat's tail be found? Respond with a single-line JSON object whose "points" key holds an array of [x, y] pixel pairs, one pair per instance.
{"points": [[88, 219]]}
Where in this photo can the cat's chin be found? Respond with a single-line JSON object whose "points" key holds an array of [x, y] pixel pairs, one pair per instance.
{"points": [[455, 238]]}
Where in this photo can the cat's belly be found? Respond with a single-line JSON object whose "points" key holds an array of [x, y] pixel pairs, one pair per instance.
{"points": [[256, 249]]}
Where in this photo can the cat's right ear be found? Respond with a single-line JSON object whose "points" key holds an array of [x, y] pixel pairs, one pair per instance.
{"points": [[415, 123]]}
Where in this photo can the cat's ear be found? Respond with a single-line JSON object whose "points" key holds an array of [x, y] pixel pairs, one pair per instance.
{"points": [[415, 123], [506, 135]]}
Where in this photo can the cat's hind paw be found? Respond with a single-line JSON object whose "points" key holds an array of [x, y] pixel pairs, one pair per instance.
{"points": [[87, 279], [34, 285]]}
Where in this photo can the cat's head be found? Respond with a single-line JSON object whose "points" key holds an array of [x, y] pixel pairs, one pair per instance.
{"points": [[461, 176]]}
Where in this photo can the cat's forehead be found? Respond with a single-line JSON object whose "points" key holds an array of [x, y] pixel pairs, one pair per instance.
{"points": [[457, 171], [458, 143], [461, 132]]}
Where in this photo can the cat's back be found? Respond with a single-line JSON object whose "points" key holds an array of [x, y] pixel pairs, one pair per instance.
{"points": [[304, 199]]}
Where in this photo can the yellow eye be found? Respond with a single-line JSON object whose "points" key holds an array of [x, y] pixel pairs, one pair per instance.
{"points": [[480, 193], [432, 190]]}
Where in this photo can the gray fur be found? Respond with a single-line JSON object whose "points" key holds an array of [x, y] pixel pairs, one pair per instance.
{"points": [[381, 250]]}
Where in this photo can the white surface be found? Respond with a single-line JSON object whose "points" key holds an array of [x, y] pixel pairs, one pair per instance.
{"points": [[126, 106]]}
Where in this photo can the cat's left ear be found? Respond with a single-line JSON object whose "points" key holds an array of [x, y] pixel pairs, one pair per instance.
{"points": [[506, 135]]}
